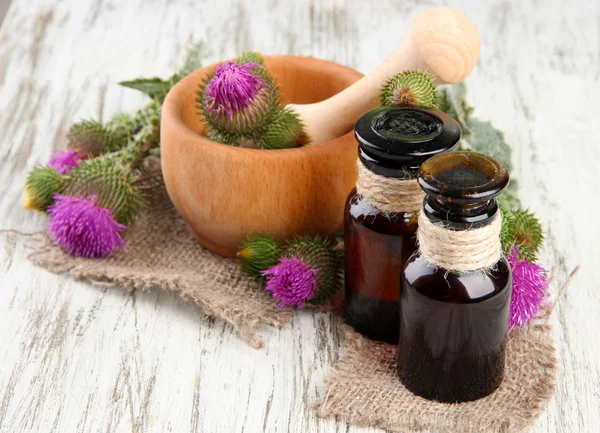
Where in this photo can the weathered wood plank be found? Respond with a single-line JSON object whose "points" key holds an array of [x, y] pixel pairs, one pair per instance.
{"points": [[79, 358]]}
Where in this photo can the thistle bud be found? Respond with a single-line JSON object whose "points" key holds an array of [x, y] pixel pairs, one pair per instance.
{"points": [[410, 88], [307, 272], [286, 130], [237, 100], [257, 254], [83, 228], [92, 138], [42, 183], [113, 186]]}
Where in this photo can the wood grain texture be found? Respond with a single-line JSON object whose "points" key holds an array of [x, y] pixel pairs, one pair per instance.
{"points": [[76, 358], [227, 193], [442, 41]]}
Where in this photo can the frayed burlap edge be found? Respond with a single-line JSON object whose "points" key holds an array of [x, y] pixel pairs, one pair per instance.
{"points": [[246, 324], [362, 388], [161, 253]]}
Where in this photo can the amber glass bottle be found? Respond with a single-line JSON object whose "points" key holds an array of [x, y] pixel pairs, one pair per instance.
{"points": [[453, 325], [392, 143]]}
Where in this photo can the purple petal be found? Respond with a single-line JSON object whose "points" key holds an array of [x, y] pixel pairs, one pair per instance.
{"points": [[291, 282], [233, 87], [530, 282], [83, 228], [66, 160]]}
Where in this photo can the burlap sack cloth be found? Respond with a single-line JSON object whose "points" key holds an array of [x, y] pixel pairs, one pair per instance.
{"points": [[362, 386]]}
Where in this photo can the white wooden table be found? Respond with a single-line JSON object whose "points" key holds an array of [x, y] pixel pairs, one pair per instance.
{"points": [[75, 358]]}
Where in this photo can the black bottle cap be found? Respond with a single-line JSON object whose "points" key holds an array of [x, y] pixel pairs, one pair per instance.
{"points": [[394, 141], [462, 187]]}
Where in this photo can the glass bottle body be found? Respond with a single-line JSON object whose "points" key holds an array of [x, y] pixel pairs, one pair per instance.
{"points": [[453, 330], [377, 247]]}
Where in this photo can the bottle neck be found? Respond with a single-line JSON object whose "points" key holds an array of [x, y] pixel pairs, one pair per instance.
{"points": [[389, 195], [460, 250], [460, 216]]}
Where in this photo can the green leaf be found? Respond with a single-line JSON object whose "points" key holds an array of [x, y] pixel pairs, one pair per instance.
{"points": [[486, 139], [453, 101], [156, 88]]}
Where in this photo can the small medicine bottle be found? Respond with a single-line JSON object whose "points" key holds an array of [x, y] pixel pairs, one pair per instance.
{"points": [[382, 211], [456, 287]]}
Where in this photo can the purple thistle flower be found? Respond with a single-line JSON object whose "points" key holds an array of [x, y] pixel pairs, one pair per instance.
{"points": [[233, 87], [530, 282], [66, 160], [292, 282], [83, 228]]}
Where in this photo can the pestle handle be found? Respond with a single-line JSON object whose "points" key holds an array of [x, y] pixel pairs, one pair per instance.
{"points": [[441, 40]]}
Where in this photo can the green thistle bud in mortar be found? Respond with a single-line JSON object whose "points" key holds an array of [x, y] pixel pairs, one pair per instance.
{"points": [[42, 183], [410, 88], [286, 130], [258, 253]]}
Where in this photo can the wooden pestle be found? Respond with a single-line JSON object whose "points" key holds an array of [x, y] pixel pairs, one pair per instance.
{"points": [[441, 40]]}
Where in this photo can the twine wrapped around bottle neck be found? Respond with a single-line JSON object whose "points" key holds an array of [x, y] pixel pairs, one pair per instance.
{"points": [[388, 194], [460, 250]]}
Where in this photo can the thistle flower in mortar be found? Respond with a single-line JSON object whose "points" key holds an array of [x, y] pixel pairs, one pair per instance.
{"points": [[530, 283], [42, 183], [83, 228], [238, 98], [410, 88], [66, 160], [258, 253], [307, 272]]}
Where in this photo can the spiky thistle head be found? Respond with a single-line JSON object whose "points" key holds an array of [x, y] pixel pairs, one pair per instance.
{"points": [[258, 253], [317, 254], [147, 119], [114, 187], [83, 227], [285, 130], [521, 228], [292, 282], [251, 57], [410, 88], [66, 160], [124, 125], [527, 232], [529, 286], [42, 183], [92, 138], [238, 98]]}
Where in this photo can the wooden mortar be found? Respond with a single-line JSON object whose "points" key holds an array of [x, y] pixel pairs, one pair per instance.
{"points": [[227, 193]]}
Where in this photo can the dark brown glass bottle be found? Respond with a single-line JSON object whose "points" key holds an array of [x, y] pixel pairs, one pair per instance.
{"points": [[453, 325], [393, 142]]}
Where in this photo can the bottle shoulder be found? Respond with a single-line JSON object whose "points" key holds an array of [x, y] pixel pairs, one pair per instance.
{"points": [[449, 286]]}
